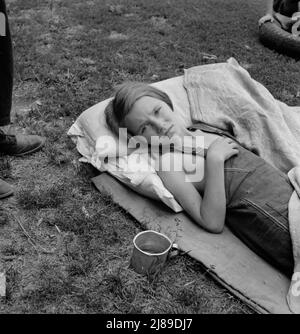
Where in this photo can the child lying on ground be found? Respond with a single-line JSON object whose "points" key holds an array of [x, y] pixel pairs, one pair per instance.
{"points": [[231, 183]]}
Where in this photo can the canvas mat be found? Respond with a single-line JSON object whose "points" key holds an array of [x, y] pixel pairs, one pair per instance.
{"points": [[226, 258]]}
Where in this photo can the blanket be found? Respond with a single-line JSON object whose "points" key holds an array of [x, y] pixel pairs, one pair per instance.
{"points": [[225, 96]]}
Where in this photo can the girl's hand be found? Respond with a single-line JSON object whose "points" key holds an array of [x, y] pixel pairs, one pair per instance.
{"points": [[222, 149], [265, 18], [296, 17]]}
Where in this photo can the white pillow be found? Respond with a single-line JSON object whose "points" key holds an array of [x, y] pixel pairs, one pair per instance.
{"points": [[95, 142]]}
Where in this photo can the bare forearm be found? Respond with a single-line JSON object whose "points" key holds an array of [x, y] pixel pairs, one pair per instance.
{"points": [[269, 9], [213, 206]]}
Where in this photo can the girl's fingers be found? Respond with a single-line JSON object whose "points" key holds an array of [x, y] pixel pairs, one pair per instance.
{"points": [[232, 145], [234, 150]]}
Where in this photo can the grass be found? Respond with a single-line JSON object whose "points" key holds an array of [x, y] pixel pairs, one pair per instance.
{"points": [[68, 56]]}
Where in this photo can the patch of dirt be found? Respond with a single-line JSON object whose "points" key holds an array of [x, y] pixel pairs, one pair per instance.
{"points": [[160, 24], [116, 9], [117, 36], [85, 60], [246, 66]]}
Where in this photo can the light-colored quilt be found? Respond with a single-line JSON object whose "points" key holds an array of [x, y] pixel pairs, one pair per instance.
{"points": [[225, 95]]}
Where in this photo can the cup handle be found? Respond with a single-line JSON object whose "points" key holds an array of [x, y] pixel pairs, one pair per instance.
{"points": [[174, 251]]}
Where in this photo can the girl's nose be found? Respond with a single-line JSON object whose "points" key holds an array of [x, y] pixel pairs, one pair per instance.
{"points": [[157, 123], [161, 128], [160, 124]]}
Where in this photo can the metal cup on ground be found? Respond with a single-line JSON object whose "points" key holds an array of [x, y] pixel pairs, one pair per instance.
{"points": [[150, 252]]}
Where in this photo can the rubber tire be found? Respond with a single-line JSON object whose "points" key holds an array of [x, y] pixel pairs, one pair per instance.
{"points": [[274, 37]]}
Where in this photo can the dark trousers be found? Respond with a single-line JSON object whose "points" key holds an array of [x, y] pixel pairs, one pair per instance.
{"points": [[257, 197], [286, 7], [6, 70]]}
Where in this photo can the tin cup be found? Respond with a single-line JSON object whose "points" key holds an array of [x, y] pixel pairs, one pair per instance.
{"points": [[150, 252]]}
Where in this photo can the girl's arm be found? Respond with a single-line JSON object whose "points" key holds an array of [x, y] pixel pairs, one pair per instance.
{"points": [[269, 9], [209, 212], [213, 206], [269, 13]]}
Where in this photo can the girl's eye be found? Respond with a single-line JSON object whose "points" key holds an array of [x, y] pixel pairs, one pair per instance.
{"points": [[143, 129], [156, 111]]}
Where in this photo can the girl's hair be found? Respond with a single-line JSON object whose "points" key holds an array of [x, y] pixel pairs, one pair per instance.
{"points": [[126, 95]]}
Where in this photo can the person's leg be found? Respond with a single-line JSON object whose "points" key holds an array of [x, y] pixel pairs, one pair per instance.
{"points": [[6, 70], [10, 144], [276, 5], [264, 227], [257, 208], [286, 7], [6, 83]]}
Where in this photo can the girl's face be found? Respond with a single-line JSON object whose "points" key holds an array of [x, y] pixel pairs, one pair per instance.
{"points": [[152, 117]]}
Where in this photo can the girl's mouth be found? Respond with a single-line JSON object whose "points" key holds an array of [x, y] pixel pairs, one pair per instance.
{"points": [[167, 132]]}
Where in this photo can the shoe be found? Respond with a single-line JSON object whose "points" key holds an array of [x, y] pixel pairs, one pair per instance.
{"points": [[5, 189], [19, 145]]}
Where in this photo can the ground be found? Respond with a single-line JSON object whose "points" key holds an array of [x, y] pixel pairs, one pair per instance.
{"points": [[64, 246]]}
